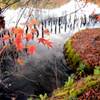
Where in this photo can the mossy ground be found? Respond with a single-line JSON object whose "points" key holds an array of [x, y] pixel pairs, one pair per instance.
{"points": [[82, 51], [74, 92]]}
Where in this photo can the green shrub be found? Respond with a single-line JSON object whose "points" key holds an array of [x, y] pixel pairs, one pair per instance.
{"points": [[83, 69], [30, 98], [91, 83], [89, 78], [68, 51], [43, 97], [71, 54], [76, 60], [77, 92], [97, 70], [68, 43], [69, 83]]}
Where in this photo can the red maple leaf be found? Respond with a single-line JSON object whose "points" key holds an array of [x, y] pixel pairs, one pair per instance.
{"points": [[12, 30], [20, 47], [30, 25], [46, 32], [33, 31], [41, 40], [28, 36], [18, 40], [20, 32], [93, 12], [2, 49], [98, 18], [5, 38], [31, 49], [48, 43]]}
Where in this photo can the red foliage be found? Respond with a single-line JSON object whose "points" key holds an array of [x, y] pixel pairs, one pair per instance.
{"points": [[48, 43], [31, 49], [46, 32], [5, 38], [17, 35], [18, 40], [41, 40], [98, 18], [28, 37], [86, 48], [2, 49], [91, 94], [20, 47], [93, 12]]}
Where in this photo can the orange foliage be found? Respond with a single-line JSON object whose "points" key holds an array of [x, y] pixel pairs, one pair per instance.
{"points": [[5, 38], [28, 37], [93, 12], [18, 34], [18, 40], [97, 1], [41, 40], [2, 49], [98, 18], [20, 61], [31, 49], [33, 31], [48, 43], [20, 47], [46, 32]]}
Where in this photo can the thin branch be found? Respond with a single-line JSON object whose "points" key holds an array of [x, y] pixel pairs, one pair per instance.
{"points": [[10, 4], [22, 12]]}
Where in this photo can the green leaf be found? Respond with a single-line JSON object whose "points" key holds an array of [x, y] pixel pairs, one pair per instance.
{"points": [[30, 98], [43, 97], [97, 70], [62, 93]]}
